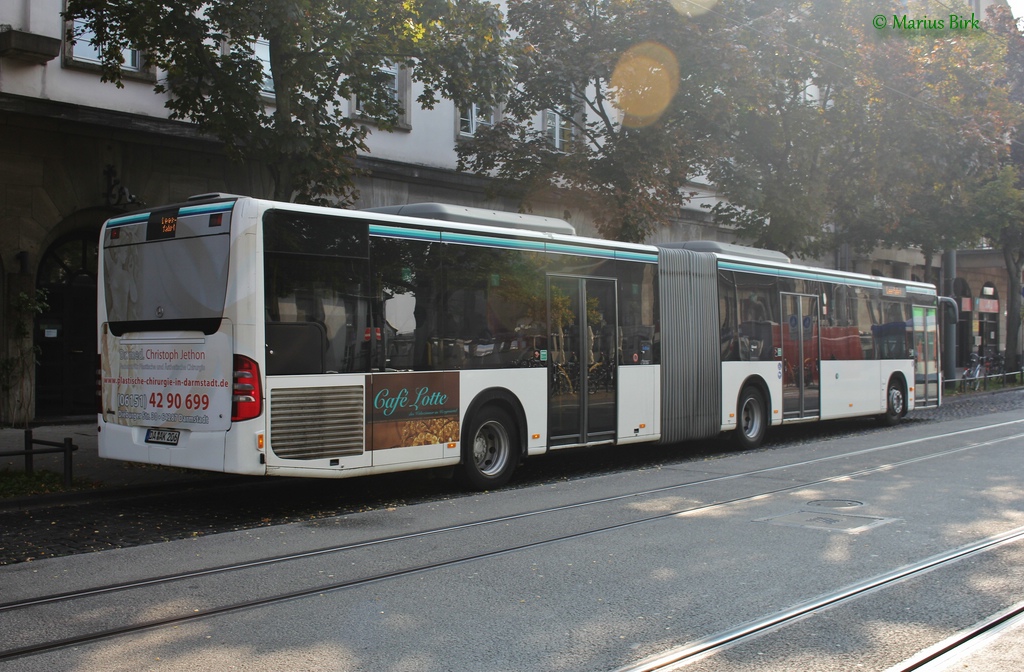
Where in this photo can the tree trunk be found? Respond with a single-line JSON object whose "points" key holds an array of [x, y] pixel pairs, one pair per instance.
{"points": [[1014, 257]]}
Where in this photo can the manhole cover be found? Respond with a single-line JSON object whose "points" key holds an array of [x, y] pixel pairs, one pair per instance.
{"points": [[819, 520], [835, 503]]}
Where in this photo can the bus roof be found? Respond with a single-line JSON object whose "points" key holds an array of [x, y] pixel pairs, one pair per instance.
{"points": [[560, 236], [729, 248], [466, 215]]}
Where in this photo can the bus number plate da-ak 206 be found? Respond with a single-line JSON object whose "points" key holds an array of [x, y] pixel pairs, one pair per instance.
{"points": [[167, 437]]}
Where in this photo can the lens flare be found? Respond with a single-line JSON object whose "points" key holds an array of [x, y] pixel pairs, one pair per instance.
{"points": [[645, 80]]}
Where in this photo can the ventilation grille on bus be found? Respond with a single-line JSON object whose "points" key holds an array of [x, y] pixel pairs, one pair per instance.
{"points": [[316, 422]]}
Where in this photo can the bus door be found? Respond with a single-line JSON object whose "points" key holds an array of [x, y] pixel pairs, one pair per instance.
{"points": [[801, 357], [926, 356], [582, 360]]}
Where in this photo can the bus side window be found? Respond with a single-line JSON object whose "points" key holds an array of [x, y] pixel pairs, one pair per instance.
{"points": [[757, 316], [727, 335], [494, 309], [407, 282]]}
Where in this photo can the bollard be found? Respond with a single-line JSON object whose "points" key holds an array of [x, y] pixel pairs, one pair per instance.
{"points": [[28, 452], [67, 461]]}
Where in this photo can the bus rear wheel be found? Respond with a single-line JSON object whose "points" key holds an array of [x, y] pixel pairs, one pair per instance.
{"points": [[490, 449], [895, 404], [751, 419]]}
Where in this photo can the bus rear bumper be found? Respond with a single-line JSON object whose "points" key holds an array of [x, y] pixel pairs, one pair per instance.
{"points": [[192, 450]]}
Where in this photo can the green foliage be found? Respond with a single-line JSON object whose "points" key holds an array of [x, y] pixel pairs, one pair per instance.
{"points": [[633, 82], [323, 53], [996, 198], [816, 128], [790, 72], [845, 134]]}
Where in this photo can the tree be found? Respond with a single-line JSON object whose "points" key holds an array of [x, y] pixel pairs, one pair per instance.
{"points": [[782, 142], [626, 90], [997, 203], [292, 113], [946, 113], [849, 135], [998, 207]]}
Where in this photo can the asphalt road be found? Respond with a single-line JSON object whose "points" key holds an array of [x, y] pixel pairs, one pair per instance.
{"points": [[578, 566]]}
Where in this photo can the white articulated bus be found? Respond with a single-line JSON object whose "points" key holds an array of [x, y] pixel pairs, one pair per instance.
{"points": [[255, 337]]}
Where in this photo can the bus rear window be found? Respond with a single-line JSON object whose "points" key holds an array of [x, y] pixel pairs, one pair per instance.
{"points": [[176, 279]]}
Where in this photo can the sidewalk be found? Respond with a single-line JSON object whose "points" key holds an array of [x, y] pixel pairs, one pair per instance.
{"points": [[86, 464]]}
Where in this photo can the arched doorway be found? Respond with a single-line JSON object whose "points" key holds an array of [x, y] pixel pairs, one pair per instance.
{"points": [[66, 332]]}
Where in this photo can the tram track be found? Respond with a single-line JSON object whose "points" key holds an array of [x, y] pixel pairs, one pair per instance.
{"points": [[8, 606], [61, 525], [679, 657], [15, 607], [945, 653]]}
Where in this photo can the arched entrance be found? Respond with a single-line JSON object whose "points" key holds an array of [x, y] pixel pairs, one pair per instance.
{"points": [[66, 332]]}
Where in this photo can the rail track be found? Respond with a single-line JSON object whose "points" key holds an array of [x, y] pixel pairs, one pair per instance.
{"points": [[299, 579]]}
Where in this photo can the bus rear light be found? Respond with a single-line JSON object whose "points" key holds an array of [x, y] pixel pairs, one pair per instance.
{"points": [[246, 401]]}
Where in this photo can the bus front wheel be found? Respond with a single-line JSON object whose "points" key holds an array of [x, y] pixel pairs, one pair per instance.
{"points": [[490, 449], [895, 404], [751, 418]]}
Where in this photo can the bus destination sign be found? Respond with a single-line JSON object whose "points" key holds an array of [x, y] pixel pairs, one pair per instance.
{"points": [[162, 224]]}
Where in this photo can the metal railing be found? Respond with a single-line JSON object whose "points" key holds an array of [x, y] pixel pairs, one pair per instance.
{"points": [[983, 372], [66, 447]]}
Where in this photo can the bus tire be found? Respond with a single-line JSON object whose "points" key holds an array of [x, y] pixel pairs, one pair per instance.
{"points": [[895, 403], [490, 449], [751, 418]]}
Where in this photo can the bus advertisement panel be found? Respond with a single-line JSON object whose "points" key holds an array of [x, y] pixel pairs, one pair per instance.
{"points": [[167, 383]]}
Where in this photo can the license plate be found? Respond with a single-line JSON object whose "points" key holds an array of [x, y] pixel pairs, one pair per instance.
{"points": [[165, 436]]}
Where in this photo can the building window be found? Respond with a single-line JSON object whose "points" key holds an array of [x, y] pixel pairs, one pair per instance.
{"points": [[83, 52], [262, 49], [475, 117], [558, 130], [397, 84]]}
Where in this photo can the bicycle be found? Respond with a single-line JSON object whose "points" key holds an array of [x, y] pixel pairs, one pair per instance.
{"points": [[997, 365], [972, 374]]}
